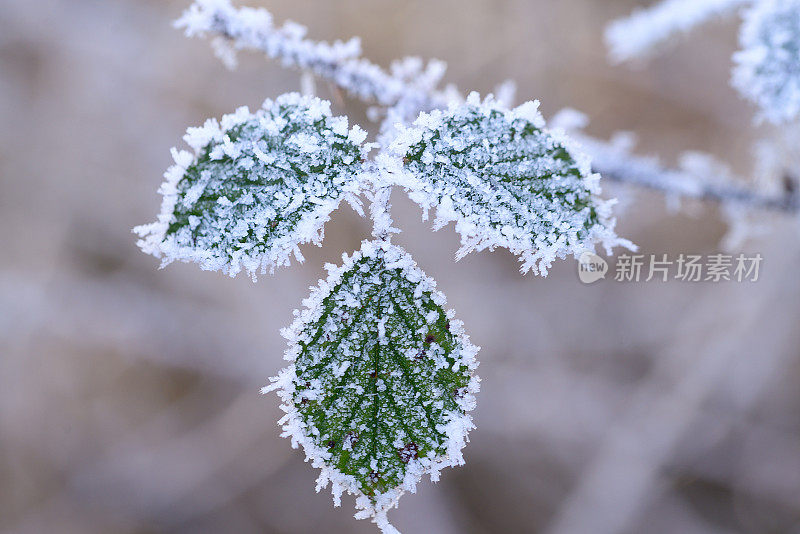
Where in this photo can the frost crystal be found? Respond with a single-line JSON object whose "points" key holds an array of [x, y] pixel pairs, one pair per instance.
{"points": [[380, 382], [767, 68], [258, 185], [505, 180]]}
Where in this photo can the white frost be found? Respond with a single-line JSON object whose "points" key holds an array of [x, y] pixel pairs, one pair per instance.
{"points": [[767, 68], [637, 35], [456, 424], [504, 180], [251, 193]]}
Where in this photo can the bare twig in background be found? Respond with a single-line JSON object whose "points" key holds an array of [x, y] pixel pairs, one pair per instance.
{"points": [[645, 29], [620, 166]]}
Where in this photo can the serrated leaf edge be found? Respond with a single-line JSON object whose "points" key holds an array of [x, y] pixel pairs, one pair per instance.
{"points": [[153, 237], [456, 429], [474, 238]]}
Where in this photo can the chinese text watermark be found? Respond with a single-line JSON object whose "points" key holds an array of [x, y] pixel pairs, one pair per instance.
{"points": [[663, 267]]}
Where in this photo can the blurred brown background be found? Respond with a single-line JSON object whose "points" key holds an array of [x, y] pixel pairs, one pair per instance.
{"points": [[129, 396]]}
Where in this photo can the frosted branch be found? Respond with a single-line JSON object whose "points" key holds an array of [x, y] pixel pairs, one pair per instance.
{"points": [[340, 62], [380, 212], [700, 178], [638, 34]]}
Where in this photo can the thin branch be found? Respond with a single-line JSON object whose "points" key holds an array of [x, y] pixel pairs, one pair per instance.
{"points": [[638, 34], [340, 62], [618, 165]]}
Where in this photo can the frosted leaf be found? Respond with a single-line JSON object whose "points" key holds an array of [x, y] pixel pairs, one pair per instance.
{"points": [[505, 180], [257, 186], [767, 68], [381, 380]]}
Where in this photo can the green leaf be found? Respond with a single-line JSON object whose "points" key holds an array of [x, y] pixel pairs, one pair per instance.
{"points": [[505, 180], [381, 379], [258, 185]]}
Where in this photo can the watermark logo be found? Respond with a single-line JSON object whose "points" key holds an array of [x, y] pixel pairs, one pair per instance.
{"points": [[662, 268], [591, 268]]}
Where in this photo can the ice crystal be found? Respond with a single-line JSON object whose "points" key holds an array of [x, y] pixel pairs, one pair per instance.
{"points": [[505, 180], [258, 185], [381, 380], [767, 68]]}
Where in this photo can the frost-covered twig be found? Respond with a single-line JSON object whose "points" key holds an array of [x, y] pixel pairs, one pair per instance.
{"points": [[698, 177], [767, 73], [638, 34], [380, 212], [621, 166], [340, 62]]}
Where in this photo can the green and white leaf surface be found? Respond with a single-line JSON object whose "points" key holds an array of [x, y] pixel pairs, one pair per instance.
{"points": [[504, 179], [257, 186], [381, 380]]}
